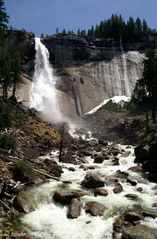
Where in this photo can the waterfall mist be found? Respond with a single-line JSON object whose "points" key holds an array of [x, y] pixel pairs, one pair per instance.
{"points": [[43, 95]]}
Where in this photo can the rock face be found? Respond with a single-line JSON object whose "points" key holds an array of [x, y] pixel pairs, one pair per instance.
{"points": [[90, 70]]}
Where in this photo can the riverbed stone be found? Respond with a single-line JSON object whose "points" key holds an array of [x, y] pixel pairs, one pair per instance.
{"points": [[139, 232], [92, 181], [100, 191], [24, 202], [65, 196], [95, 208], [132, 216], [118, 188], [74, 208], [99, 158]]}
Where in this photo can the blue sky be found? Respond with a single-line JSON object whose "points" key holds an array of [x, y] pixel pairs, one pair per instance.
{"points": [[44, 16]]}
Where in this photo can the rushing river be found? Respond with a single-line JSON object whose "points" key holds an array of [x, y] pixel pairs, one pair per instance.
{"points": [[49, 220]]}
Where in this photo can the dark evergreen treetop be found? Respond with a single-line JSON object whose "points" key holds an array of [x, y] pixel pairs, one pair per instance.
{"points": [[3, 15]]}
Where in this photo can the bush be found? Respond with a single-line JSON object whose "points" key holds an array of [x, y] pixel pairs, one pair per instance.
{"points": [[22, 170], [7, 141], [5, 115], [112, 106]]}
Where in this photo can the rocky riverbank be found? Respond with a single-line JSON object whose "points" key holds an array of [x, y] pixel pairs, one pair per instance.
{"points": [[97, 186]]}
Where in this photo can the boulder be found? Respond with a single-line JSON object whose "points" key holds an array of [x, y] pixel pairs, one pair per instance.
{"points": [[24, 202], [99, 158], [135, 169], [125, 154], [93, 142], [141, 153], [53, 168], [132, 196], [149, 213], [95, 208], [118, 188], [92, 181], [65, 196], [74, 208], [132, 216], [100, 191], [131, 181], [139, 232]]}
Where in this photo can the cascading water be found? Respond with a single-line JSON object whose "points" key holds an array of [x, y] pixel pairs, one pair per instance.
{"points": [[125, 72], [43, 95]]}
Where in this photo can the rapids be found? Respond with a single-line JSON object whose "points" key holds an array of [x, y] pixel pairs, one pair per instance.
{"points": [[49, 220]]}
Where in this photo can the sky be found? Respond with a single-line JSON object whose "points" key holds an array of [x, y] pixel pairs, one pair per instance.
{"points": [[44, 16]]}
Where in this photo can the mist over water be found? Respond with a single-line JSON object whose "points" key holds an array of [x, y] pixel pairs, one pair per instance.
{"points": [[43, 94]]}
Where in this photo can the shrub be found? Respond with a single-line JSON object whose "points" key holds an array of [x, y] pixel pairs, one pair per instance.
{"points": [[5, 115], [22, 170], [7, 141]]}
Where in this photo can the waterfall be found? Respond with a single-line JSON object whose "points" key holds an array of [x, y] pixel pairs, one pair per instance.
{"points": [[43, 95], [125, 72]]}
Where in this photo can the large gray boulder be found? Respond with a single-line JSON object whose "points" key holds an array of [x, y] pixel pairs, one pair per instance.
{"points": [[139, 232], [74, 209], [92, 181], [65, 196]]}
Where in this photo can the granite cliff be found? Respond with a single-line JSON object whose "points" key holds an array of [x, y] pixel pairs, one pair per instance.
{"points": [[89, 70]]}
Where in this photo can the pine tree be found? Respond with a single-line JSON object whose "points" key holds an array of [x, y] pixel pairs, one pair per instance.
{"points": [[138, 26], [145, 27]]}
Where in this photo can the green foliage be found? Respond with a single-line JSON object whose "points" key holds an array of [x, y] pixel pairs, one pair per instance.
{"points": [[145, 93], [6, 115], [116, 27], [111, 106], [7, 141], [22, 169]]}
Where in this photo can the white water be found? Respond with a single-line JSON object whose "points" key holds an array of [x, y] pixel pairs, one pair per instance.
{"points": [[43, 94], [49, 220], [125, 72]]}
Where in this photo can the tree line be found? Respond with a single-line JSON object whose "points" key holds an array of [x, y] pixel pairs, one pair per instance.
{"points": [[114, 27], [10, 57]]}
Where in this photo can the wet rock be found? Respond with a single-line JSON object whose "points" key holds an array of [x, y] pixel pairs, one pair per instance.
{"points": [[74, 147], [132, 216], [95, 208], [141, 153], [139, 189], [71, 169], [125, 154], [135, 169], [132, 196], [99, 158], [24, 202], [149, 213], [69, 159], [104, 143], [101, 192], [93, 142], [92, 181], [53, 168], [74, 208], [118, 225], [85, 153], [65, 196], [118, 188], [154, 204], [115, 161], [16, 235], [139, 232], [131, 181], [122, 174]]}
